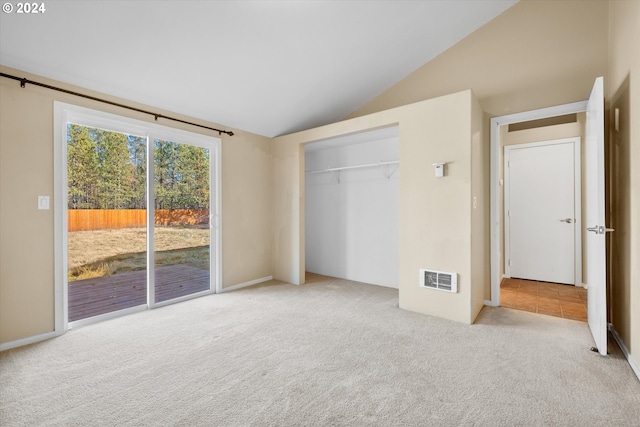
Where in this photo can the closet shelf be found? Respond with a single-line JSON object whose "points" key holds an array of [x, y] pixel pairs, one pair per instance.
{"points": [[385, 166]]}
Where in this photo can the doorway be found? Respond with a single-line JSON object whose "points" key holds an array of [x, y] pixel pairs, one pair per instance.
{"points": [[541, 213], [500, 127], [137, 218], [594, 206]]}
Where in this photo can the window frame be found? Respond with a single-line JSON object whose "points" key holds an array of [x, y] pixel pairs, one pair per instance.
{"points": [[65, 113]]}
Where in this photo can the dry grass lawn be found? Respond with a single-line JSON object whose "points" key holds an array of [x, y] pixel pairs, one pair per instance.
{"points": [[100, 253]]}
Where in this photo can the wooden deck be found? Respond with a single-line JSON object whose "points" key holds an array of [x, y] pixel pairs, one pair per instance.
{"points": [[91, 297]]}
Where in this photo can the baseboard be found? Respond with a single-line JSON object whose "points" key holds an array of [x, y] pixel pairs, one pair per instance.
{"points": [[29, 340], [106, 316], [630, 359], [245, 284], [491, 302]]}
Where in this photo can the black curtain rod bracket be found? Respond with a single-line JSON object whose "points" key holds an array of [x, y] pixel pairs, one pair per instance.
{"points": [[23, 83]]}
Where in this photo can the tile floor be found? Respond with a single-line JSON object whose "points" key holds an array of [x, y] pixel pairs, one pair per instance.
{"points": [[551, 299]]}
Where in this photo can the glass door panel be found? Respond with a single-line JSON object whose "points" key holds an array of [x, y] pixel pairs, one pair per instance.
{"points": [[182, 235], [107, 211]]}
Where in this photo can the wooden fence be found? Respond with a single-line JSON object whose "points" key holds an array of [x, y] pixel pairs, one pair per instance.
{"points": [[100, 219]]}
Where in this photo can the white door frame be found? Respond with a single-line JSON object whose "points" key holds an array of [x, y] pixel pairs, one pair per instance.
{"points": [[89, 117], [577, 200], [496, 235]]}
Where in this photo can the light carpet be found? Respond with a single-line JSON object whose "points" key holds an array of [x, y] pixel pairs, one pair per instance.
{"points": [[328, 353]]}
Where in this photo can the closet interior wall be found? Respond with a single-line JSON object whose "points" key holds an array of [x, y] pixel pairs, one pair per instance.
{"points": [[352, 215]]}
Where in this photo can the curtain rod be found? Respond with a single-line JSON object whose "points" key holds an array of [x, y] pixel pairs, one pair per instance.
{"points": [[23, 82]]}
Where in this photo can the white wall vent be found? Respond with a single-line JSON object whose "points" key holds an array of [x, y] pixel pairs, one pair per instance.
{"points": [[438, 280]]}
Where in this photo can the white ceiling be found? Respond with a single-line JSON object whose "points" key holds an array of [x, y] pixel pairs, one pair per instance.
{"points": [[269, 67]]}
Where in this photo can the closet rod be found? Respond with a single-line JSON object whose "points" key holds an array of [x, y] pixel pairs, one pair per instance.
{"points": [[23, 82], [369, 165]]}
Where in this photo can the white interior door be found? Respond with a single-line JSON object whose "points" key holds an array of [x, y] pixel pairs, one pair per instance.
{"points": [[595, 218], [540, 210]]}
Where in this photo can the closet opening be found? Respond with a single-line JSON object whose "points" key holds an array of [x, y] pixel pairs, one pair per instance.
{"points": [[351, 207]]}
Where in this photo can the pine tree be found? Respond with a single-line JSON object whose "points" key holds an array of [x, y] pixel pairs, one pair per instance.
{"points": [[138, 155], [193, 187], [116, 169], [165, 174], [82, 168], [107, 170]]}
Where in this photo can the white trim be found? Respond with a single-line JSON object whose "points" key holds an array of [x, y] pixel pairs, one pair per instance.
{"points": [[496, 122], [245, 284], [576, 141], [151, 211], [60, 218], [107, 316], [29, 340], [183, 298], [215, 221], [634, 366]]}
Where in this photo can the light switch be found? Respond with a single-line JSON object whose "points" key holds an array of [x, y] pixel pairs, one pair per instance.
{"points": [[43, 203]]}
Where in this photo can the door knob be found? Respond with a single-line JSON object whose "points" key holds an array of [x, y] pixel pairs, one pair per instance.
{"points": [[567, 220]]}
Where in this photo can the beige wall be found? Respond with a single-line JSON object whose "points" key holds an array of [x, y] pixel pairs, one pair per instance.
{"points": [[27, 234], [525, 136], [246, 208], [435, 214], [622, 91], [435, 220], [536, 54], [288, 201], [480, 212]]}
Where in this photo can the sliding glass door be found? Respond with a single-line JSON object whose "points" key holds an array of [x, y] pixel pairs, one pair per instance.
{"points": [[182, 230], [139, 224], [107, 230]]}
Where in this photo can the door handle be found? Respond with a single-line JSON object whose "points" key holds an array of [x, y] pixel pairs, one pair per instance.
{"points": [[599, 229], [567, 220]]}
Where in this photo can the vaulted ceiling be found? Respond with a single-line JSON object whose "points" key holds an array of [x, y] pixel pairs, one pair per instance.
{"points": [[268, 67]]}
